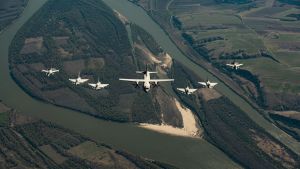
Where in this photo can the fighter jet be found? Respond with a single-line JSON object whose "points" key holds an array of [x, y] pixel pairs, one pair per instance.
{"points": [[98, 85], [147, 81], [208, 84], [187, 90], [79, 80], [235, 65], [50, 71]]}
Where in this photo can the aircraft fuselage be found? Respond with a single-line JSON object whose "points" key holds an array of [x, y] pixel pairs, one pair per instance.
{"points": [[147, 85]]}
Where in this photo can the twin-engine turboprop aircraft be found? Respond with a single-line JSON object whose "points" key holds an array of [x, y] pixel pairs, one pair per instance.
{"points": [[147, 81]]}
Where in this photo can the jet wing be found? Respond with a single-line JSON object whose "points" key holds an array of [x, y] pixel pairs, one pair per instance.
{"points": [[83, 80], [231, 65], [161, 80], [202, 83], [240, 64], [93, 85], [133, 80], [46, 71], [213, 84], [73, 80], [54, 71], [104, 85], [192, 90], [181, 89]]}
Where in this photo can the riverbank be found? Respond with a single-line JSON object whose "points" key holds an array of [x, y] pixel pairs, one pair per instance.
{"points": [[168, 44], [190, 124], [119, 135]]}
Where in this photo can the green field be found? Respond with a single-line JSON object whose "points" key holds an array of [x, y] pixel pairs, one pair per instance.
{"points": [[29, 143], [264, 35], [87, 37]]}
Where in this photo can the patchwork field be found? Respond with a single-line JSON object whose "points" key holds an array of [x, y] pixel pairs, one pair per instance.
{"points": [[264, 35], [89, 38], [29, 143]]}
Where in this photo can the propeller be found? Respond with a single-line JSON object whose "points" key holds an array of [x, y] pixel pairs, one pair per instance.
{"points": [[155, 84], [136, 85]]}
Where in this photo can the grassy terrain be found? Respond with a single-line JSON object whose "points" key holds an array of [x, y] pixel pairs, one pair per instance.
{"points": [[264, 35], [87, 37], [289, 124], [247, 141], [230, 129], [31, 143]]}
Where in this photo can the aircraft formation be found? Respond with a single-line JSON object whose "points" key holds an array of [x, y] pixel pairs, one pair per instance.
{"points": [[147, 81]]}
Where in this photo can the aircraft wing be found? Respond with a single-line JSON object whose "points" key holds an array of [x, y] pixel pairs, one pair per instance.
{"points": [[73, 80], [104, 85], [181, 89], [46, 71], [93, 85], [213, 84], [192, 90], [202, 83], [161, 80], [231, 65], [133, 80], [83, 80], [240, 64], [54, 71]]}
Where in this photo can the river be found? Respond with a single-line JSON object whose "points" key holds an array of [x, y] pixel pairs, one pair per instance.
{"points": [[182, 152], [138, 16]]}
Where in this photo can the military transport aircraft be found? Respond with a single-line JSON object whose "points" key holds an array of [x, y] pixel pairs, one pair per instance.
{"points": [[50, 71], [147, 81], [98, 85], [208, 84], [187, 90], [79, 80], [235, 65]]}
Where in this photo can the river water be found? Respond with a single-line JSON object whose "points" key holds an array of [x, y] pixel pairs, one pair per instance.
{"points": [[179, 151], [138, 16]]}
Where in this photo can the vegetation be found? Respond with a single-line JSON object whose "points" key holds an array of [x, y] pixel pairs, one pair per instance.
{"points": [[87, 37], [231, 130], [242, 143], [291, 2], [288, 124], [256, 33], [30, 143], [234, 1], [146, 39]]}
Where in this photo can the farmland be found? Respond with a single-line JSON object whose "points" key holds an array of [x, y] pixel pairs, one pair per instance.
{"points": [[230, 129], [78, 41], [264, 35], [27, 142]]}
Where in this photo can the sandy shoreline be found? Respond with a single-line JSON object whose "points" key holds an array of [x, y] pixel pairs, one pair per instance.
{"points": [[190, 129]]}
